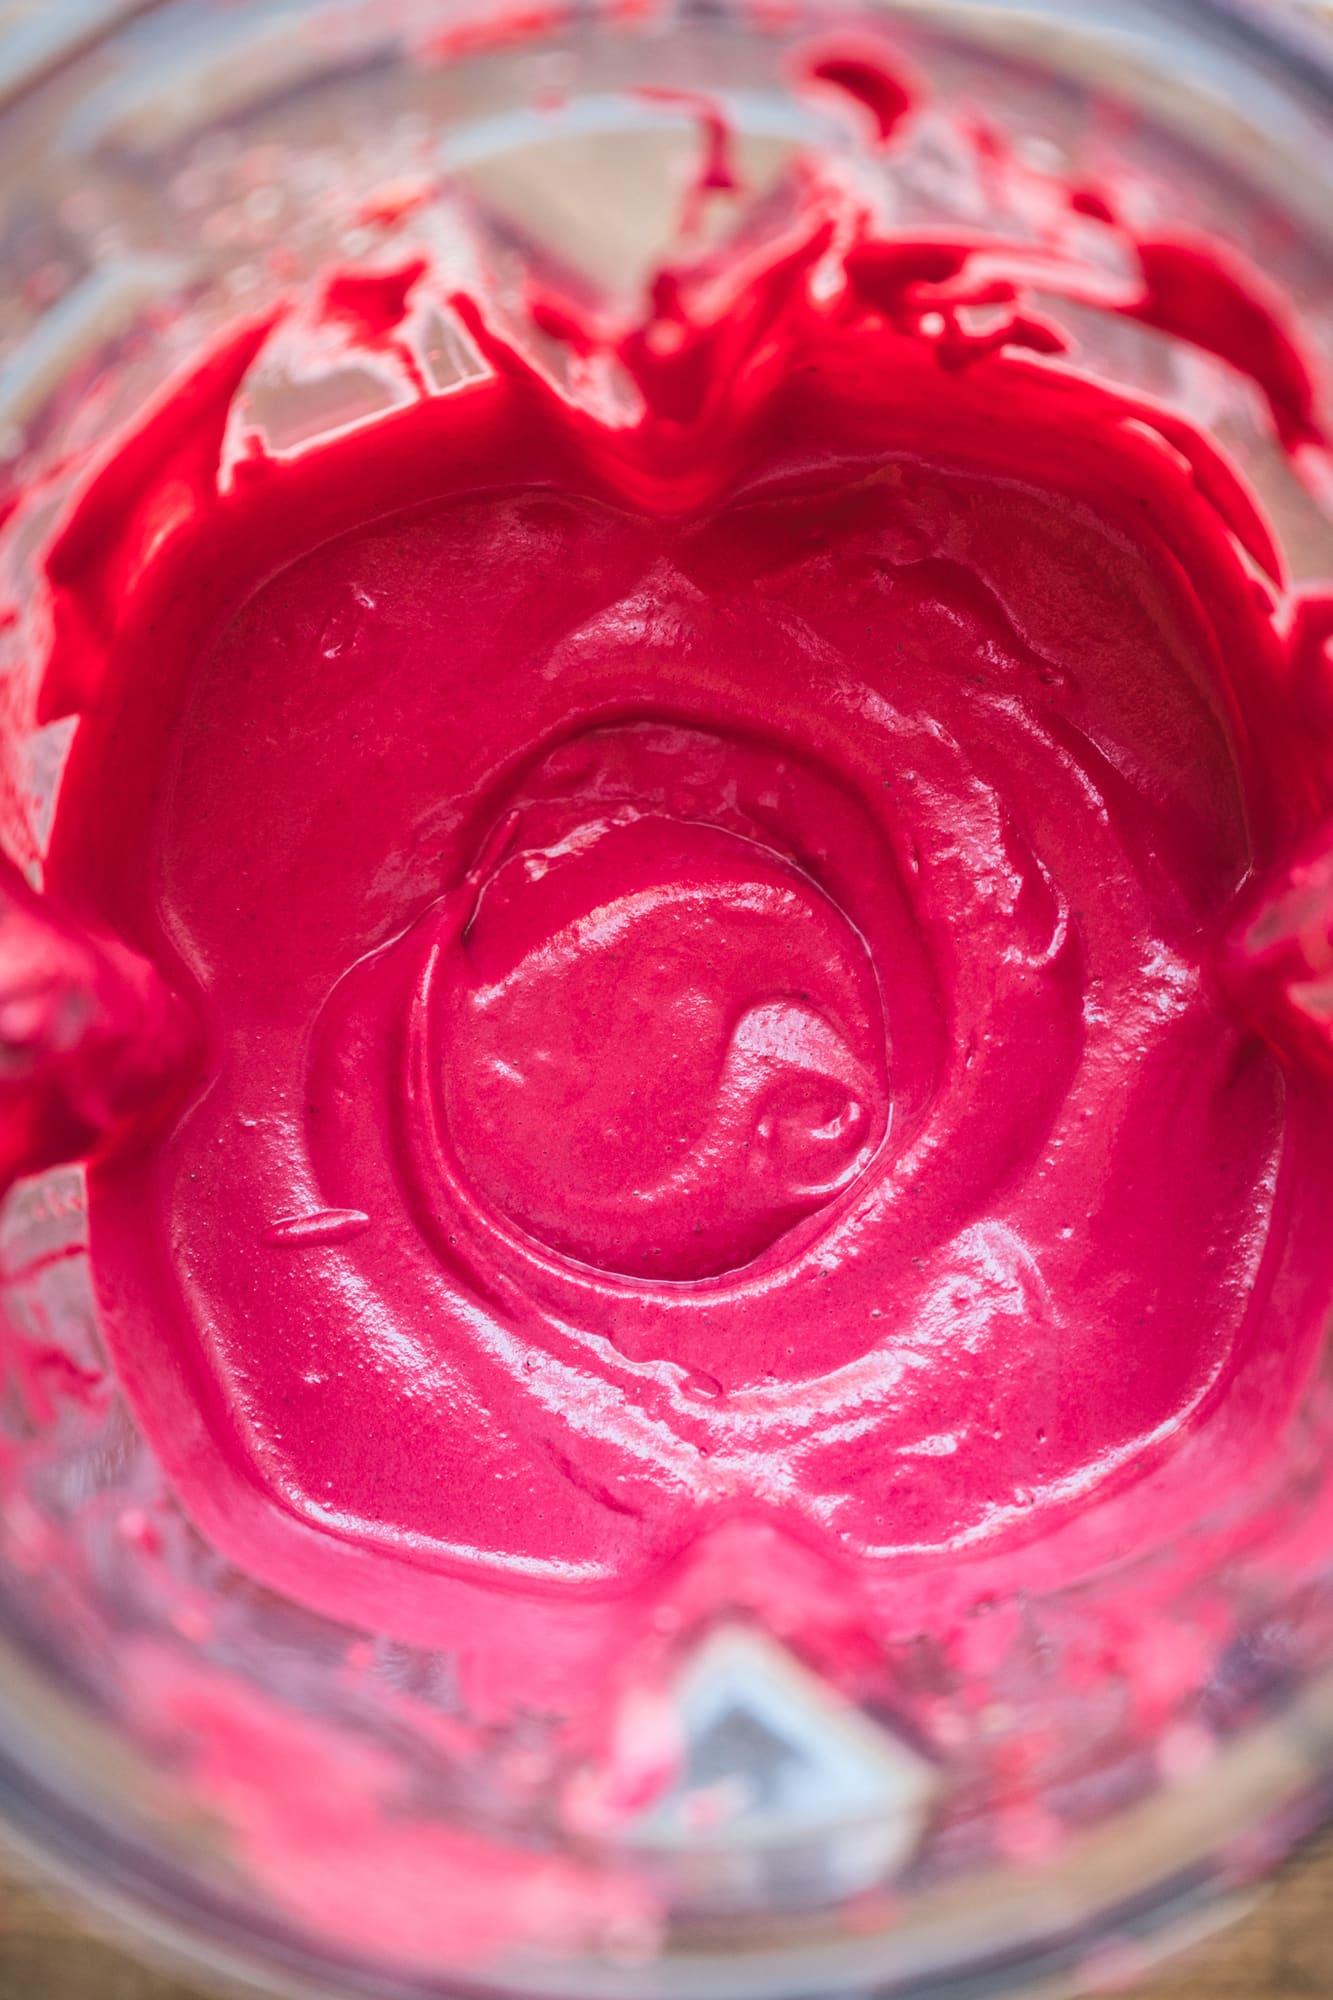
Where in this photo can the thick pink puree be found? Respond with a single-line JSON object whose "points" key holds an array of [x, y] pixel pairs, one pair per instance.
{"points": [[760, 968]]}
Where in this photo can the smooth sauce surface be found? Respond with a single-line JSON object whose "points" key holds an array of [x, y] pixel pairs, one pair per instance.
{"points": [[722, 952]]}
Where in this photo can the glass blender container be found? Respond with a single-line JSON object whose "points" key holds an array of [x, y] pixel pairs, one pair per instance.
{"points": [[306, 1808]]}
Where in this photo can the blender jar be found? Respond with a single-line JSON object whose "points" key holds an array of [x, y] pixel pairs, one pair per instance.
{"points": [[319, 1809]]}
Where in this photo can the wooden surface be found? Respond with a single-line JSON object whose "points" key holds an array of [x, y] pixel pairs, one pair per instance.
{"points": [[1282, 1951]]}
